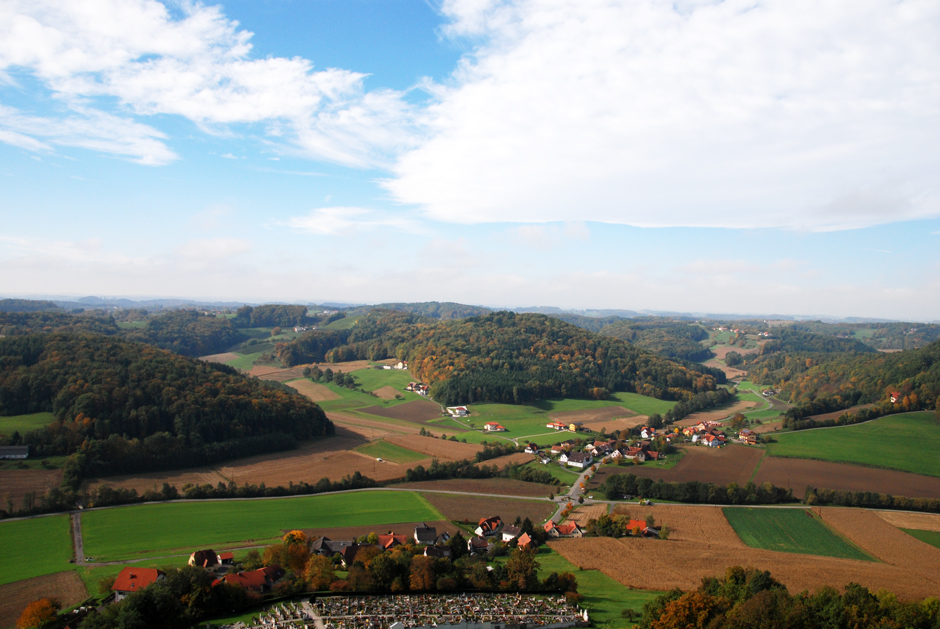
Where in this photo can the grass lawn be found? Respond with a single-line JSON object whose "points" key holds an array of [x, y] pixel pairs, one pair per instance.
{"points": [[565, 475], [167, 529], [24, 423], [604, 598], [908, 442], [928, 537], [371, 379], [32, 548], [391, 452], [245, 361], [91, 576], [790, 531]]}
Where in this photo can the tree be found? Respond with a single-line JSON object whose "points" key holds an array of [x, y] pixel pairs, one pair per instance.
{"points": [[275, 330], [295, 537], [422, 577], [694, 609], [319, 572], [522, 570], [38, 613], [252, 560]]}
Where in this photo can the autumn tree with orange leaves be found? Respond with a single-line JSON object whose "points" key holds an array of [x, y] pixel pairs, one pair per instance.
{"points": [[38, 613]]}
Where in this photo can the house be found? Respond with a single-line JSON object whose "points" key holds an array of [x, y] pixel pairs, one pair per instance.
{"points": [[616, 454], [437, 552], [14, 452], [479, 545], [390, 540], [580, 460], [131, 580], [557, 425], [261, 580], [348, 554], [511, 532], [544, 460], [638, 526], [531, 449], [227, 559], [896, 397], [564, 457], [647, 433], [489, 526], [568, 529], [575, 426], [401, 365], [425, 534], [493, 427], [458, 411], [442, 538], [524, 541], [558, 449], [207, 559], [327, 547]]}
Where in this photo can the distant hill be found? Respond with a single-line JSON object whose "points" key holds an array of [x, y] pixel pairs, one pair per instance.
{"points": [[188, 332], [26, 305], [19, 323], [436, 309]]}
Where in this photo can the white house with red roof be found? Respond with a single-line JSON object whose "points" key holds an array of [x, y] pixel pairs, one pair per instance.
{"points": [[131, 580]]}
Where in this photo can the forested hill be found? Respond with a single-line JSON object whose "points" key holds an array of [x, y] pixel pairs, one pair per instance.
{"points": [[18, 323], [790, 340], [129, 406], [504, 357], [188, 332], [437, 309], [27, 305]]}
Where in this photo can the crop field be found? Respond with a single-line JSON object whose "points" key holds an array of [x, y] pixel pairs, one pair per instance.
{"points": [[67, 587], [715, 415], [908, 442], [387, 393], [801, 473], [927, 537], [24, 423], [563, 474], [790, 531], [32, 548], [174, 528], [582, 514], [15, 484], [369, 429], [700, 525], [391, 452], [313, 391], [909, 520], [730, 464], [472, 508], [498, 486], [417, 411], [436, 448]]}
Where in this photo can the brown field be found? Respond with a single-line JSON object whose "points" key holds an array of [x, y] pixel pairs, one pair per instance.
{"points": [[678, 563], [366, 427], [767, 427], [14, 484], [315, 392], [438, 448], [730, 372], [720, 351], [14, 597], [419, 412], [730, 464], [836, 414], [592, 415], [687, 524], [499, 486], [155, 480], [616, 425], [405, 528], [280, 374], [219, 358], [473, 508], [800, 473], [387, 392], [715, 416], [907, 520], [517, 458], [582, 514], [890, 351]]}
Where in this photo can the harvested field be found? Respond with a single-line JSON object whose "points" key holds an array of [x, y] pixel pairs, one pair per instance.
{"points": [[836, 414], [767, 427], [616, 425], [517, 458], [592, 415], [472, 508], [730, 464], [387, 393], [315, 392], [155, 480], [884, 541], [438, 448], [801, 473], [369, 428], [721, 351], [730, 372], [280, 374], [706, 525], [418, 412], [715, 416], [352, 532], [582, 514], [907, 520], [674, 563], [499, 486], [67, 587], [219, 358], [14, 484]]}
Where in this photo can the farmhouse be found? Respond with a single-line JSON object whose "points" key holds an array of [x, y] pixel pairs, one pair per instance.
{"points": [[568, 529], [391, 540], [207, 559], [479, 545], [575, 426], [458, 411], [256, 580], [531, 449], [511, 532], [131, 580], [425, 534], [896, 397], [489, 526], [557, 425], [493, 427], [14, 452], [580, 460], [524, 541], [437, 552]]}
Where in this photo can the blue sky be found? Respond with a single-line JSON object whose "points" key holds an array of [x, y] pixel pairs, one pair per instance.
{"points": [[696, 156]]}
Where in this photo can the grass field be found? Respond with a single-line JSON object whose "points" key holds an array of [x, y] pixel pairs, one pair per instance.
{"points": [[391, 452], [908, 442], [31, 548], [564, 475], [167, 529], [928, 537], [24, 423], [790, 531]]}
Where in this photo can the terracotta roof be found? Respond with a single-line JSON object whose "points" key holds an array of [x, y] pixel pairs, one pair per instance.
{"points": [[524, 540], [637, 524], [392, 539], [568, 528], [133, 579], [225, 556], [490, 524]]}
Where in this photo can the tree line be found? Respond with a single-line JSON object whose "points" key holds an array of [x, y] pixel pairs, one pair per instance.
{"points": [[618, 486]]}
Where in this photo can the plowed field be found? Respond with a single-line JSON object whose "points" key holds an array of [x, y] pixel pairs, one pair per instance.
{"points": [[730, 464], [518, 458], [155, 480], [675, 563], [316, 392], [836, 414], [419, 412], [582, 514], [14, 597], [730, 372], [591, 415], [473, 508], [800, 473], [370, 428], [905, 520], [501, 486], [437, 448], [714, 416], [14, 484], [706, 525]]}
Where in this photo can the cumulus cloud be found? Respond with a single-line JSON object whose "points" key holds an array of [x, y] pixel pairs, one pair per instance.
{"points": [[741, 113]]}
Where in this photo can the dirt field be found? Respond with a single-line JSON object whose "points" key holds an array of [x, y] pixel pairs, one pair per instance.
{"points": [[438, 448], [730, 372], [14, 597], [688, 524], [316, 392], [352, 532], [370, 428], [219, 358], [906, 520], [836, 414], [678, 563], [721, 351], [582, 514], [14, 484], [280, 374], [387, 392], [616, 425], [419, 412], [518, 458], [472, 508], [591, 415], [155, 480], [767, 427], [715, 416], [799, 473], [730, 464], [500, 486]]}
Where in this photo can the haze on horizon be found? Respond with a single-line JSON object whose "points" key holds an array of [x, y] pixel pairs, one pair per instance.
{"points": [[694, 156]]}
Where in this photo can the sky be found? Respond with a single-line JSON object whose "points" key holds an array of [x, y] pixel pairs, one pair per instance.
{"points": [[744, 156]]}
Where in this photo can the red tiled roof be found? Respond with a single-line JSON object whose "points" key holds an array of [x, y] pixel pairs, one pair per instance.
{"points": [[524, 540], [568, 528], [637, 524], [392, 539], [133, 579], [224, 556]]}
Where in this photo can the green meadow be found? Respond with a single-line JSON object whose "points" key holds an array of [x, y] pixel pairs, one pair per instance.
{"points": [[24, 423], [908, 442], [928, 537], [390, 452], [34, 547], [790, 531], [174, 528]]}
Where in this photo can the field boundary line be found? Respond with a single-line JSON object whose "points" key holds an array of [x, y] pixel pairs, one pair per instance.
{"points": [[845, 539], [757, 467]]}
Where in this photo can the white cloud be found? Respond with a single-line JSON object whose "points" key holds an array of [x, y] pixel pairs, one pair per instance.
{"points": [[549, 236], [213, 248], [337, 220], [742, 113], [228, 156]]}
